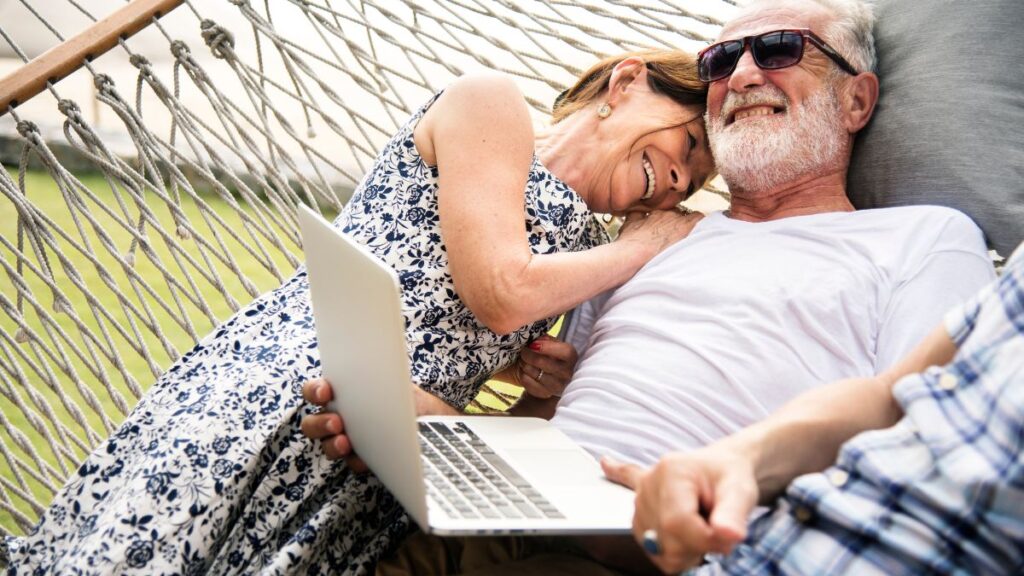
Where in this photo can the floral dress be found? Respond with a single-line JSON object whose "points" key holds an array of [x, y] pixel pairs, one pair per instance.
{"points": [[210, 473]]}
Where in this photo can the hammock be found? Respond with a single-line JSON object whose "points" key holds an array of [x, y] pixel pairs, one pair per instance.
{"points": [[150, 191]]}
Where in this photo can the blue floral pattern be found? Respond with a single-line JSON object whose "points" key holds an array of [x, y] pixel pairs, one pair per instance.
{"points": [[210, 473], [394, 213]]}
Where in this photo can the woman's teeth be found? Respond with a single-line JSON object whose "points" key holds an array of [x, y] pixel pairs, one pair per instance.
{"points": [[649, 193]]}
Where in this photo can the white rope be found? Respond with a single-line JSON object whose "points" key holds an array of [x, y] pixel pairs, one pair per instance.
{"points": [[259, 107]]}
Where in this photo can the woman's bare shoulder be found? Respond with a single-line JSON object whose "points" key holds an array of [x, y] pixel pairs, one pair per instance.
{"points": [[484, 101]]}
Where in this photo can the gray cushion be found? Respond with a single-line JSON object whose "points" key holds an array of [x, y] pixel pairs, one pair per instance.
{"points": [[949, 127]]}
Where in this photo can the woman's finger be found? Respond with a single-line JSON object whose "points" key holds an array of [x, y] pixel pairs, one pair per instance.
{"points": [[336, 447], [535, 361], [356, 464], [317, 391], [540, 383], [557, 349], [317, 426]]}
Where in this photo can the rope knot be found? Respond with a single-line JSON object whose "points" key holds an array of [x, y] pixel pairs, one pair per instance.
{"points": [[28, 129], [180, 50], [139, 61], [69, 108], [240, 3], [218, 38], [103, 83]]}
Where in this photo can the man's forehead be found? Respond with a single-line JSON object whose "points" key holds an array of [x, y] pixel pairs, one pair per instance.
{"points": [[765, 17]]}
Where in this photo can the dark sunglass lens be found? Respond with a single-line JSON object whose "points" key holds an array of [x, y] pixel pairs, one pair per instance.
{"points": [[719, 61], [778, 49]]}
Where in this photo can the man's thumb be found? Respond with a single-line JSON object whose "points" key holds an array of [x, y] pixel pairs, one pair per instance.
{"points": [[729, 516]]}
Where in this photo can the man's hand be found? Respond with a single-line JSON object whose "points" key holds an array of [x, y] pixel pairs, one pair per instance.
{"points": [[545, 367], [696, 503], [329, 427]]}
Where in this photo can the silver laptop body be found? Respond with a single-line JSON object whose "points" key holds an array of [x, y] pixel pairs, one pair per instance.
{"points": [[545, 483]]}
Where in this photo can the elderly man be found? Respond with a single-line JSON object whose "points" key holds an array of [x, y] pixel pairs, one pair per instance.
{"points": [[789, 289]]}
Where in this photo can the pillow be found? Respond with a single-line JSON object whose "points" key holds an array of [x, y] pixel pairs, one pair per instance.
{"points": [[949, 126]]}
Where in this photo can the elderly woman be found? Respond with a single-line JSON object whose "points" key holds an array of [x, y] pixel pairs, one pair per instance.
{"points": [[491, 230]]}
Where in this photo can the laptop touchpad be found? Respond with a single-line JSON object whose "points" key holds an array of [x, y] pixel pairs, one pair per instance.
{"points": [[557, 467]]}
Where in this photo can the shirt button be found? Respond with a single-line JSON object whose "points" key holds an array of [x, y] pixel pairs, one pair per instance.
{"points": [[838, 477], [948, 381], [802, 514]]}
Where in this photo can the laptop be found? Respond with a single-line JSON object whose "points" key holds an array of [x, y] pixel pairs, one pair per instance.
{"points": [[462, 475]]}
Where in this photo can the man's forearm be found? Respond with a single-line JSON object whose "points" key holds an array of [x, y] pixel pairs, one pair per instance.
{"points": [[805, 435]]}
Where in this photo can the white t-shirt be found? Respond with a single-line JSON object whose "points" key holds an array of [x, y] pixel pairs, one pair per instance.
{"points": [[728, 324]]}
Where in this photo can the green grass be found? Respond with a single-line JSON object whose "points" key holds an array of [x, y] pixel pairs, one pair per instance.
{"points": [[43, 193]]}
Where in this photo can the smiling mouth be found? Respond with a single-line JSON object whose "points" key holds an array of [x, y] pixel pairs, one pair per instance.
{"points": [[650, 177], [755, 112]]}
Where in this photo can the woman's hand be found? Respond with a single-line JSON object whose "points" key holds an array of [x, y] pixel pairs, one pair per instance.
{"points": [[696, 503], [545, 367], [659, 229], [329, 427]]}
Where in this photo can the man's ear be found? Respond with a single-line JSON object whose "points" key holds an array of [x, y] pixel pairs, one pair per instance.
{"points": [[629, 72], [859, 100]]}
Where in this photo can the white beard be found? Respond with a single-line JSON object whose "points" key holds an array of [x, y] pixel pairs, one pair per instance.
{"points": [[760, 155]]}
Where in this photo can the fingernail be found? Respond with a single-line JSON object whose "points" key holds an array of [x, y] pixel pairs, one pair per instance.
{"points": [[535, 346], [321, 392], [333, 426]]}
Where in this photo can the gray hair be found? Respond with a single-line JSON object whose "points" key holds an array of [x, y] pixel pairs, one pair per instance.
{"points": [[851, 32]]}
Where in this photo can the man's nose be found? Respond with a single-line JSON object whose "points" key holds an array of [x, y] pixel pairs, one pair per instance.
{"points": [[747, 74]]}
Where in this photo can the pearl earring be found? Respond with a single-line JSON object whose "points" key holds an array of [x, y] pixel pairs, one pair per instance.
{"points": [[604, 111]]}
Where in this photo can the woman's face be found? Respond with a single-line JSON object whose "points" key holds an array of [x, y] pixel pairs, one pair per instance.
{"points": [[658, 155]]}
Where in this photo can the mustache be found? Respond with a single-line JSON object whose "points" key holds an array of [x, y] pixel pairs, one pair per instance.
{"points": [[767, 96]]}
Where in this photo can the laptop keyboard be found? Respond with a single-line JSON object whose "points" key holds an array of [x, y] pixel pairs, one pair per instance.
{"points": [[467, 479]]}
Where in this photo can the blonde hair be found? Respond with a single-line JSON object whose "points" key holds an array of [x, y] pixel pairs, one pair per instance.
{"points": [[672, 73]]}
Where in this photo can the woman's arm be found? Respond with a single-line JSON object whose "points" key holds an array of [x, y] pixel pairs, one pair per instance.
{"points": [[480, 136]]}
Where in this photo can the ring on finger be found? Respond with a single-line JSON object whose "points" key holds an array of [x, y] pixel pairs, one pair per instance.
{"points": [[650, 543], [540, 374]]}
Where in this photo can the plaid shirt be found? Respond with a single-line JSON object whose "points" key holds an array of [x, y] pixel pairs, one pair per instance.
{"points": [[940, 492]]}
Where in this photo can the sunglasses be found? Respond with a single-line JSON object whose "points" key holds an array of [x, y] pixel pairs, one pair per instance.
{"points": [[771, 51]]}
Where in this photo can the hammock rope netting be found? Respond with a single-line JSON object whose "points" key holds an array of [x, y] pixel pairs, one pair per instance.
{"points": [[151, 193]]}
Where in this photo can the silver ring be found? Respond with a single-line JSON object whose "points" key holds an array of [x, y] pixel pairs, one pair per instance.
{"points": [[540, 375], [651, 545]]}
